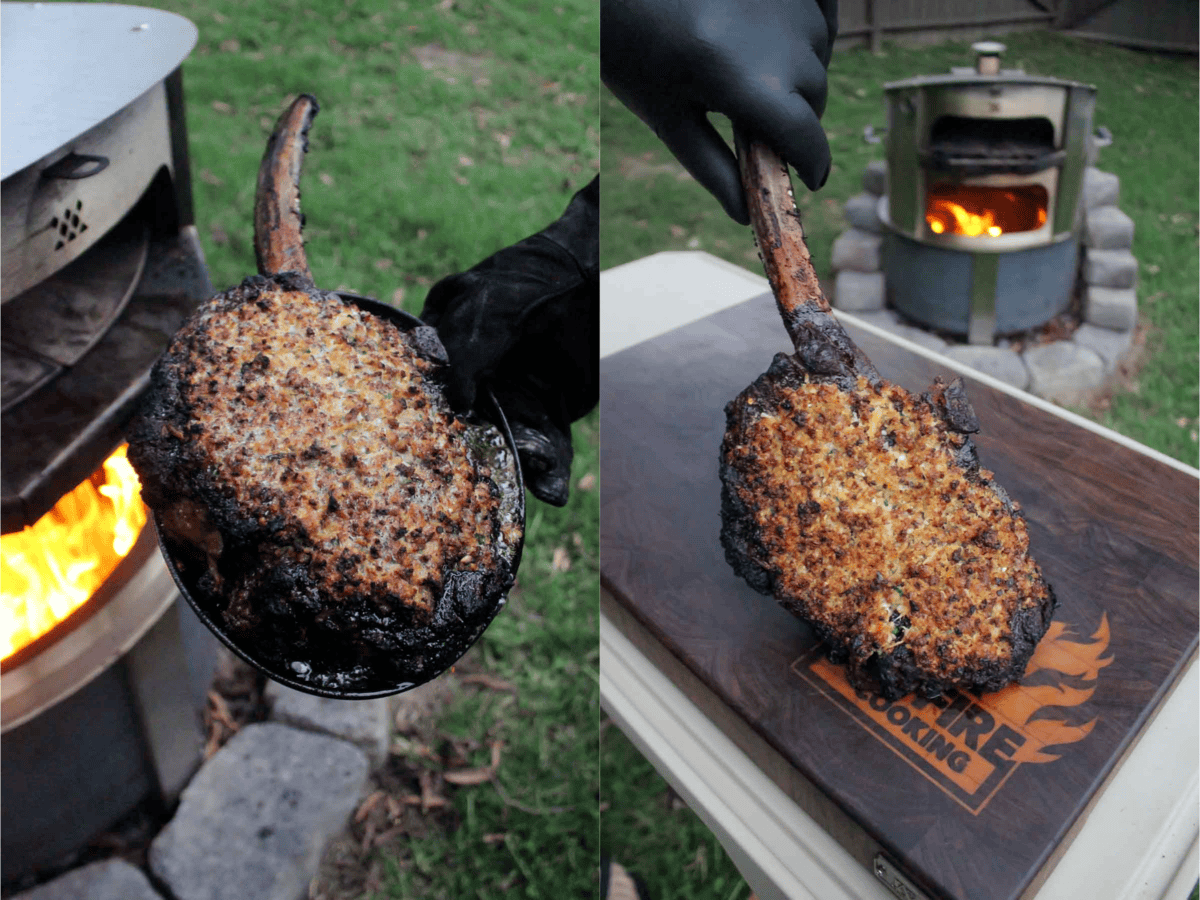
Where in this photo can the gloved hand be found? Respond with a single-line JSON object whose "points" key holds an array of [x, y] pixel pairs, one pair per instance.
{"points": [[526, 323], [760, 62]]}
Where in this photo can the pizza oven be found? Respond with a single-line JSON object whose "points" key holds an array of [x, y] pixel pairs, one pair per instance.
{"points": [[104, 670], [982, 216]]}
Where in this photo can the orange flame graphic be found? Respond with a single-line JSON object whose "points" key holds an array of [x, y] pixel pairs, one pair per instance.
{"points": [[1018, 703]]}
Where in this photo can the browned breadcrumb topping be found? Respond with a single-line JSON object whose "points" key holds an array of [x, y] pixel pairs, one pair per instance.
{"points": [[873, 529], [316, 412]]}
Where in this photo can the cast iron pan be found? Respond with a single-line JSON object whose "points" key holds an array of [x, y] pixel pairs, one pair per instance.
{"points": [[341, 665]]}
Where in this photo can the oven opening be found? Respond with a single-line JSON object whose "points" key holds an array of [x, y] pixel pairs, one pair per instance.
{"points": [[963, 136], [51, 568], [982, 211]]}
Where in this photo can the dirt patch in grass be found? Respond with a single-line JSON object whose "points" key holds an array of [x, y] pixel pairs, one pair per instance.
{"points": [[645, 166], [451, 64]]}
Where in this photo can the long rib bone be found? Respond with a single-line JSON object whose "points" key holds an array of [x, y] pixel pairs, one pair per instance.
{"points": [[820, 341], [278, 221]]}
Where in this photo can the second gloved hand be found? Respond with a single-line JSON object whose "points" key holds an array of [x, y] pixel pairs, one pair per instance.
{"points": [[525, 322], [760, 62]]}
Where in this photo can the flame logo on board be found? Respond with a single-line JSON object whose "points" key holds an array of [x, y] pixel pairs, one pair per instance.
{"points": [[970, 745], [1024, 705]]}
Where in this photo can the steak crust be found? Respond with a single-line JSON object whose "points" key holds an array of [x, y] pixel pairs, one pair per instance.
{"points": [[301, 451], [863, 509]]}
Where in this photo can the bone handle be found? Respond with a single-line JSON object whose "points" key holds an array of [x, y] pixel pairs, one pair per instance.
{"points": [[278, 222]]}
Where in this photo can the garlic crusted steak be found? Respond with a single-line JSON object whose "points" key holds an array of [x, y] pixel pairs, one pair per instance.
{"points": [[303, 449], [863, 510]]}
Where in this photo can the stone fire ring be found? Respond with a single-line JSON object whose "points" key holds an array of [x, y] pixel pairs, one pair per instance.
{"points": [[1065, 371]]}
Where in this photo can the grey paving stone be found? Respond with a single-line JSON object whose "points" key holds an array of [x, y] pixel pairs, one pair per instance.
{"points": [[1063, 371], [1107, 228], [1110, 268], [886, 319], [875, 177], [1002, 364], [362, 722], [862, 211], [110, 879], [858, 291], [255, 820], [1100, 188], [1114, 308], [1111, 346], [857, 251]]}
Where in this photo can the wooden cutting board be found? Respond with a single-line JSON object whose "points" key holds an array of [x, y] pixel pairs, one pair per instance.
{"points": [[968, 795]]}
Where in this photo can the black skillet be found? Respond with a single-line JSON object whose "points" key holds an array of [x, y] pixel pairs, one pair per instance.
{"points": [[341, 664]]}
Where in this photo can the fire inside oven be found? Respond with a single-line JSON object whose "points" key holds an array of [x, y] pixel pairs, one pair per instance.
{"points": [[984, 211], [51, 569]]}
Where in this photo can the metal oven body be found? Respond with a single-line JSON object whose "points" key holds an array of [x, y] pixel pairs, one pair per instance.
{"points": [[101, 703], [985, 173]]}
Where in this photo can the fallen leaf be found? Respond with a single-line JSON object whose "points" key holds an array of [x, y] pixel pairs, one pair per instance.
{"points": [[398, 297], [463, 181], [394, 807], [466, 161], [1182, 422], [404, 747], [429, 797], [491, 682], [678, 231], [326, 179], [469, 777], [230, 46], [496, 837], [587, 482], [422, 234], [221, 106], [1153, 269], [219, 19], [561, 561], [383, 264], [496, 745], [367, 805], [265, 122], [209, 178], [219, 235]]}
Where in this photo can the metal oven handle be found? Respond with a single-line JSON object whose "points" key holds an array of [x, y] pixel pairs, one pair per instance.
{"points": [[75, 166]]}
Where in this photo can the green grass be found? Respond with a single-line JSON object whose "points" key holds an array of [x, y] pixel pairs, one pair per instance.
{"points": [[447, 130], [545, 643], [1148, 101]]}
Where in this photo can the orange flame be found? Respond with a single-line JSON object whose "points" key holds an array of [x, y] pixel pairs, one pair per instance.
{"points": [[1018, 703], [52, 567], [975, 210]]}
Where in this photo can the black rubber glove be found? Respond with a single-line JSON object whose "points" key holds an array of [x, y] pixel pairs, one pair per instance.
{"points": [[526, 322], [760, 62]]}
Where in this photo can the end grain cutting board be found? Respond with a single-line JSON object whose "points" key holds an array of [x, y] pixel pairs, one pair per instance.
{"points": [[968, 795]]}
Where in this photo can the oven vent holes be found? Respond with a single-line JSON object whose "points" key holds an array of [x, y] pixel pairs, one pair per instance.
{"points": [[69, 225]]}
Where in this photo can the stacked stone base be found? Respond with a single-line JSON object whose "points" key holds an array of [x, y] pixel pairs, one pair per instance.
{"points": [[254, 821], [1065, 371]]}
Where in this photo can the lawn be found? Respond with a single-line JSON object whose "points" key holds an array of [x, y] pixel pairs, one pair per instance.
{"points": [[447, 131], [650, 204]]}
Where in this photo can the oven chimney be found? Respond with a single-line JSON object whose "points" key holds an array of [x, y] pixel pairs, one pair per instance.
{"points": [[988, 52]]}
